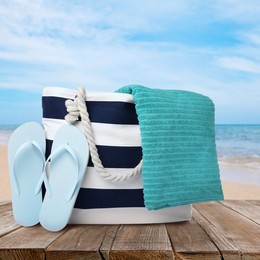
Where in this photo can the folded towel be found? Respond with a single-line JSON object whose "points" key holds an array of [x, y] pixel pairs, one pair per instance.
{"points": [[178, 142]]}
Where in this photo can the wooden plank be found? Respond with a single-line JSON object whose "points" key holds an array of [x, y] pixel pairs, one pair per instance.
{"points": [[27, 243], [108, 241], [226, 248], [7, 222], [244, 208], [234, 235], [255, 202], [79, 242], [141, 242], [4, 203], [190, 241]]}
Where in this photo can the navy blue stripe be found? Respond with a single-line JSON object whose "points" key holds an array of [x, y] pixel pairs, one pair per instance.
{"points": [[112, 156], [102, 198], [110, 112]]}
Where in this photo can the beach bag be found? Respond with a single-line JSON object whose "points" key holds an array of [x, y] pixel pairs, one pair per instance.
{"points": [[114, 196]]}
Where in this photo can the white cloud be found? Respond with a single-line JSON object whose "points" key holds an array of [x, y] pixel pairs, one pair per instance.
{"points": [[238, 10], [69, 43], [89, 43], [86, 19], [240, 64], [251, 37]]}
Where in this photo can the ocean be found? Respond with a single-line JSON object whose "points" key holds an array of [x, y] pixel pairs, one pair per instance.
{"points": [[237, 145], [5, 132]]}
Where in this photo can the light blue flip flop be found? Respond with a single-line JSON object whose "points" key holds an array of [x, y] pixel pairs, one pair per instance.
{"points": [[68, 161], [26, 158]]}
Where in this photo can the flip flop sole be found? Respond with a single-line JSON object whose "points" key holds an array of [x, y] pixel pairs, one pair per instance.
{"points": [[64, 173], [25, 169]]}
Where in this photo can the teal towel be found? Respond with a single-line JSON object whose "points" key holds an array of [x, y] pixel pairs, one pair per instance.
{"points": [[178, 143]]}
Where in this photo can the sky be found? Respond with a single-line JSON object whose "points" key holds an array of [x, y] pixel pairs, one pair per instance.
{"points": [[209, 47]]}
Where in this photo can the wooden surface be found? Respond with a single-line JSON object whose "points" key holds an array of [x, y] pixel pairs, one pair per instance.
{"points": [[218, 230]]}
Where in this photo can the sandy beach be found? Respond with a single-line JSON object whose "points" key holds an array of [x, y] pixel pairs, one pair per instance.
{"points": [[234, 188], [5, 193]]}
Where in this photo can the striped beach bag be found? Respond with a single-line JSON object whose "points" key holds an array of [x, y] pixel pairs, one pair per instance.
{"points": [[113, 194]]}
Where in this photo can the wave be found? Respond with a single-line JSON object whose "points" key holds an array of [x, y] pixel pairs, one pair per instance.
{"points": [[252, 161]]}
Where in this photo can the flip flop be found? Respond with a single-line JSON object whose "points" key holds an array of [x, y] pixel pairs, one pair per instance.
{"points": [[26, 158], [68, 161]]}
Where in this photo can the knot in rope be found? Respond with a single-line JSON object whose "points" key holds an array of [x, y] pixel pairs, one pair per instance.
{"points": [[73, 107]]}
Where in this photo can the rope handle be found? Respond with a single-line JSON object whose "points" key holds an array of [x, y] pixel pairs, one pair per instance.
{"points": [[77, 108]]}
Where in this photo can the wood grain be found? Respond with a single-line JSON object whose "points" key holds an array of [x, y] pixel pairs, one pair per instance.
{"points": [[7, 222], [108, 241], [4, 202], [244, 208], [26, 243], [227, 230], [141, 242], [255, 202], [235, 236], [80, 242], [190, 241]]}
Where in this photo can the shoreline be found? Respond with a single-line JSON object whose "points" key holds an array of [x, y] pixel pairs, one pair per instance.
{"points": [[237, 182], [240, 175]]}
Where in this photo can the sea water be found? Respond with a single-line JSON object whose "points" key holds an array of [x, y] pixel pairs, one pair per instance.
{"points": [[5, 132], [237, 145]]}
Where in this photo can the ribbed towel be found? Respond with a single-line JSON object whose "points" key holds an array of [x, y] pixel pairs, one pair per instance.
{"points": [[178, 142]]}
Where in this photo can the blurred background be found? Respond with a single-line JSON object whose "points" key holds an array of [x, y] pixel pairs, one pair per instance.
{"points": [[209, 47]]}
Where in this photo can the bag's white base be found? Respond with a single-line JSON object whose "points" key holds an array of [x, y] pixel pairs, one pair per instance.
{"points": [[131, 215]]}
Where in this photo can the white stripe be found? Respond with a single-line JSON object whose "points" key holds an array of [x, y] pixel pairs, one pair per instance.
{"points": [[130, 215], [104, 134], [93, 180], [90, 96]]}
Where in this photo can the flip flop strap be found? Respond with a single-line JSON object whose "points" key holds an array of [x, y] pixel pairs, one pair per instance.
{"points": [[52, 158], [20, 151]]}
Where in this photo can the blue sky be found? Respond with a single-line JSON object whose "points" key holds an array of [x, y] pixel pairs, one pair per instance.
{"points": [[210, 47]]}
